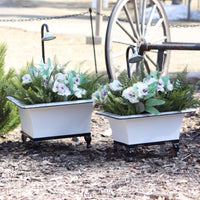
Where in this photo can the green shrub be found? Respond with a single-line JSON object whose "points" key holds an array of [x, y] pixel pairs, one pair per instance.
{"points": [[9, 118]]}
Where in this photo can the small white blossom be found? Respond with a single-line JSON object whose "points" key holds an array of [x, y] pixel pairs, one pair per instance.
{"points": [[26, 79], [60, 77], [51, 69], [169, 86], [61, 89], [142, 89], [75, 87], [160, 85], [44, 77], [77, 79], [116, 86], [59, 67], [95, 97], [80, 92], [130, 95], [150, 81], [100, 94]]}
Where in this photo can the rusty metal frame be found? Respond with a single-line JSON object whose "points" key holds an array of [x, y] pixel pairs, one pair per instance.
{"points": [[167, 46]]}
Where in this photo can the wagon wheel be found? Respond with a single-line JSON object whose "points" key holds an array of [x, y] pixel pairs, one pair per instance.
{"points": [[130, 25]]}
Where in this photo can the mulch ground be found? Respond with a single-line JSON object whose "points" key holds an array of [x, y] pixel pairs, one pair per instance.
{"points": [[59, 169]]}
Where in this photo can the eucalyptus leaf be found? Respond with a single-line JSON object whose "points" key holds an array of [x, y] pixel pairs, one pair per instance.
{"points": [[153, 86], [154, 74], [71, 79], [165, 79], [48, 62], [81, 79], [33, 71], [152, 110], [148, 96], [141, 107], [154, 102]]}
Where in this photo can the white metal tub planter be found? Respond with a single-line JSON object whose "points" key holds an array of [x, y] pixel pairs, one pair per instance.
{"points": [[53, 104], [149, 111], [55, 120], [145, 129]]}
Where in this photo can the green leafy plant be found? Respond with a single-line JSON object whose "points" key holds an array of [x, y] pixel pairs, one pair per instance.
{"points": [[153, 94], [48, 83], [9, 118]]}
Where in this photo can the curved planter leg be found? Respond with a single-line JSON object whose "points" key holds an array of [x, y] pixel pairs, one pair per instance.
{"points": [[116, 149], [24, 138], [36, 143], [88, 140], [130, 153], [176, 148]]}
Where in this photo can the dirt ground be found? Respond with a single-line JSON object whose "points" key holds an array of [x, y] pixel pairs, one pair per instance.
{"points": [[58, 170]]}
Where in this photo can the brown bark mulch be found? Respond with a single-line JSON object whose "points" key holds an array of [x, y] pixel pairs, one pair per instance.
{"points": [[56, 169]]}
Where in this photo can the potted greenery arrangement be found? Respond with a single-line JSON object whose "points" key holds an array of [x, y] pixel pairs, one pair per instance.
{"points": [[146, 111], [53, 103]]}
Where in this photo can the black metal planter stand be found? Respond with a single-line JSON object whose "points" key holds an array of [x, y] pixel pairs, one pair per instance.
{"points": [[87, 137], [131, 149]]}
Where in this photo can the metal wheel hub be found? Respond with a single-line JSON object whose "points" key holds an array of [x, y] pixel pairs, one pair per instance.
{"points": [[140, 42]]}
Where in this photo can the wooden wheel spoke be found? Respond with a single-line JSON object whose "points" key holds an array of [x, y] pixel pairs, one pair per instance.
{"points": [[151, 60], [159, 22], [121, 69], [131, 22], [154, 51], [126, 31], [159, 40], [143, 16], [150, 19], [124, 42], [136, 16], [121, 53]]}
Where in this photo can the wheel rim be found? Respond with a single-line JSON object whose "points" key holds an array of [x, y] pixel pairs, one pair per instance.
{"points": [[130, 24]]}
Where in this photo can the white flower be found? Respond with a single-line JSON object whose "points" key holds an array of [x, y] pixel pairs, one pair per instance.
{"points": [[44, 77], [77, 79], [160, 85], [45, 82], [80, 92], [95, 96], [51, 69], [149, 81], [55, 86], [61, 89], [60, 77], [44, 69], [59, 67], [130, 95], [142, 89], [75, 87], [51, 80], [26, 79], [100, 94], [116, 86], [169, 86]]}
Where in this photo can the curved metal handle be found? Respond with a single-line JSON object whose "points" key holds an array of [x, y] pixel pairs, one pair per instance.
{"points": [[127, 59]]}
